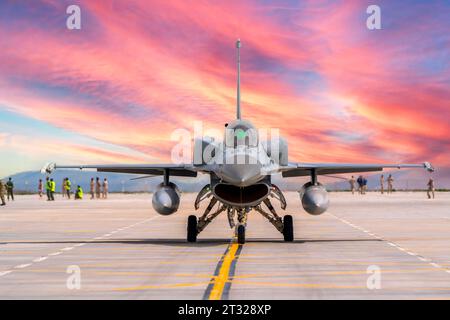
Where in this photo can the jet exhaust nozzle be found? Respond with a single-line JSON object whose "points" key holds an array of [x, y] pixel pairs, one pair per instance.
{"points": [[166, 199], [314, 198]]}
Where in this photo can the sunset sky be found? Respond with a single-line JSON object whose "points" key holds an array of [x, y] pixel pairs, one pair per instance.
{"points": [[114, 91]]}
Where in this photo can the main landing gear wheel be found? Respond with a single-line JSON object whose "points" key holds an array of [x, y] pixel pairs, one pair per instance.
{"points": [[241, 234], [192, 229], [288, 228]]}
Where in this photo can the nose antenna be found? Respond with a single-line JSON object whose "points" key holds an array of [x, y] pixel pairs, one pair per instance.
{"points": [[238, 97]]}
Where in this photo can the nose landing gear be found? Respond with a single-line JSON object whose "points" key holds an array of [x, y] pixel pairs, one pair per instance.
{"points": [[240, 233], [242, 215]]}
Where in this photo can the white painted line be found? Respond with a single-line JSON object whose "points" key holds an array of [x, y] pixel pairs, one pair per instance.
{"points": [[397, 246], [392, 244], [40, 259], [21, 266]]}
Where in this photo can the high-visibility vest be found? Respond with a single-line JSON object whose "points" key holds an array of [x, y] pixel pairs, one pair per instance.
{"points": [[80, 193], [68, 185], [48, 185], [53, 186]]}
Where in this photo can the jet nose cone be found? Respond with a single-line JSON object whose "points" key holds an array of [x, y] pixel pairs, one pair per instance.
{"points": [[242, 174]]}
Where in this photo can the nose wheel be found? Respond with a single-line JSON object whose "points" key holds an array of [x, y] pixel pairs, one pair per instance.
{"points": [[240, 234]]}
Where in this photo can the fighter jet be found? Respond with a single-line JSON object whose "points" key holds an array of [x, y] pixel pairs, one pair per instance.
{"points": [[240, 168]]}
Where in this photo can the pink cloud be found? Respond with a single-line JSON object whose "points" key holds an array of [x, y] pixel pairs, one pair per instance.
{"points": [[149, 68]]}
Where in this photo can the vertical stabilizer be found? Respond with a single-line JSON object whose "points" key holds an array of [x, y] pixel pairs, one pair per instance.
{"points": [[238, 97]]}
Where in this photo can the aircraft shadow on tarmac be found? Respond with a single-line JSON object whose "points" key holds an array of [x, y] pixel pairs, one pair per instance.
{"points": [[182, 242]]}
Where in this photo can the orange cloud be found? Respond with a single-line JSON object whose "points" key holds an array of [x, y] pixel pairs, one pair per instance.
{"points": [[137, 71]]}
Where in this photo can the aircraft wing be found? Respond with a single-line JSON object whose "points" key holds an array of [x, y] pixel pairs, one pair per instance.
{"points": [[181, 170], [305, 169]]}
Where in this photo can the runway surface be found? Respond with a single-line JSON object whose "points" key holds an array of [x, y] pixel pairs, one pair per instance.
{"points": [[121, 249]]}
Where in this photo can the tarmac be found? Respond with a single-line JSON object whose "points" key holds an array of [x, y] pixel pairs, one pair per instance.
{"points": [[364, 247]]}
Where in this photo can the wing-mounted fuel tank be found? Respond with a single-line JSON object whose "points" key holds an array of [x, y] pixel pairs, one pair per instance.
{"points": [[166, 199], [314, 198]]}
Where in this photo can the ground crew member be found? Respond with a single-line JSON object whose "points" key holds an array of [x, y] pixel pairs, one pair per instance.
{"points": [[10, 189], [48, 189], [360, 184], [63, 187], [364, 185], [2, 193], [105, 188], [390, 182], [382, 184], [430, 191], [97, 188], [52, 189], [68, 187], [40, 189], [92, 188], [352, 182], [79, 193]]}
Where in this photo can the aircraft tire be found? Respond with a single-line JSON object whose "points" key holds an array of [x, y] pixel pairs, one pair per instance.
{"points": [[241, 234], [288, 228], [192, 229]]}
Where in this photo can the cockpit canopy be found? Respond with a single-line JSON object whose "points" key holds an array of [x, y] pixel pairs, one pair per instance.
{"points": [[241, 133]]}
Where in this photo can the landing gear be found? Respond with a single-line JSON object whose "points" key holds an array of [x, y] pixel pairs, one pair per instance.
{"points": [[240, 234], [272, 216], [242, 215], [192, 229], [285, 225], [215, 207], [288, 228], [195, 226]]}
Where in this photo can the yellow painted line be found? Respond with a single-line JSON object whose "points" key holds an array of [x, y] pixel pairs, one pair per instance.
{"points": [[224, 272], [152, 274], [292, 275], [162, 286], [177, 262], [300, 285]]}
